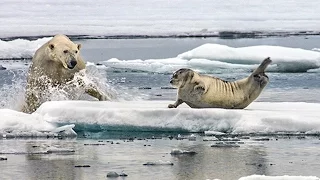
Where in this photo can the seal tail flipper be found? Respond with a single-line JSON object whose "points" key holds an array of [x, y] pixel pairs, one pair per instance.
{"points": [[262, 67]]}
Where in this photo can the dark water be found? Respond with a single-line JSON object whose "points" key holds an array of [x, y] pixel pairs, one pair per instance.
{"points": [[277, 156], [95, 50]]}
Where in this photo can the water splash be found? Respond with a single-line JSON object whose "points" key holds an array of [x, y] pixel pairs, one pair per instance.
{"points": [[12, 90]]}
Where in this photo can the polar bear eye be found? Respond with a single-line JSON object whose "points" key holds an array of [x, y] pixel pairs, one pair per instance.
{"points": [[76, 52], [65, 51]]}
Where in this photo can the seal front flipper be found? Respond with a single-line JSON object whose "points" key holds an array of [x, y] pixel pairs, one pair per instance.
{"points": [[176, 104], [200, 87]]}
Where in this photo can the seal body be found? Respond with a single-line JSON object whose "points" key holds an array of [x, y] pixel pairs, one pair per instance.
{"points": [[202, 91]]}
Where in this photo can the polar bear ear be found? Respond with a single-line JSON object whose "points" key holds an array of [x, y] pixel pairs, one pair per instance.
{"points": [[51, 46], [79, 46]]}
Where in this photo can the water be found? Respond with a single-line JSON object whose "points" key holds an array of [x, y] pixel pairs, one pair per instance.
{"points": [[278, 156], [157, 48], [281, 155]]}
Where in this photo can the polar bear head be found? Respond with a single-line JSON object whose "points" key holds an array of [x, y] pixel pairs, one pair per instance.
{"points": [[62, 50]]}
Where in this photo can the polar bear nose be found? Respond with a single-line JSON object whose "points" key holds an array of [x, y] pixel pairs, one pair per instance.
{"points": [[72, 63]]}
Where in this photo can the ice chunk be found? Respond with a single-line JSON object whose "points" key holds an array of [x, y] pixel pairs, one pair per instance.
{"points": [[182, 152], [258, 117], [157, 163], [66, 130]]}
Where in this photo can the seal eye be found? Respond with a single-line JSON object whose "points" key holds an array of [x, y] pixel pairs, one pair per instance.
{"points": [[65, 51], [76, 52], [175, 75]]}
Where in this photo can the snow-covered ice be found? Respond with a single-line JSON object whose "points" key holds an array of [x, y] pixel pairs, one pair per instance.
{"points": [[20, 48], [211, 56], [259, 117], [18, 124]]}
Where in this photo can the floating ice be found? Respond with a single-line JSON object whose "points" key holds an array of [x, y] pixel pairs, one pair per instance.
{"points": [[2, 68], [17, 124], [20, 48], [112, 174], [284, 59], [259, 117], [182, 152], [225, 145], [157, 163], [60, 150], [192, 137], [66, 130], [213, 133], [212, 57]]}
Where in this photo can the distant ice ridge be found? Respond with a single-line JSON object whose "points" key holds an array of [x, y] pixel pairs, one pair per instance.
{"points": [[143, 17], [210, 57], [259, 117]]}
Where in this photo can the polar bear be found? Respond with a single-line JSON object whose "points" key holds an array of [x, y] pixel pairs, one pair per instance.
{"points": [[55, 64]]}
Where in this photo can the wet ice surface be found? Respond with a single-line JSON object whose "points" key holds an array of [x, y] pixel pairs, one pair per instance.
{"points": [[272, 156]]}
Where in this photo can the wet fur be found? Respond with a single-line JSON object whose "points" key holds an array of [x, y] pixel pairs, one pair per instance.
{"points": [[202, 91], [49, 68]]}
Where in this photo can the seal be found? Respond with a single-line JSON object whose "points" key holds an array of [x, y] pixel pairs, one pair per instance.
{"points": [[202, 91]]}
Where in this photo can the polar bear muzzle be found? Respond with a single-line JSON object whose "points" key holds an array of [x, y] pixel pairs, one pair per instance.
{"points": [[72, 62]]}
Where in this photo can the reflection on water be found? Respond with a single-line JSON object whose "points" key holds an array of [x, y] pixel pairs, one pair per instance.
{"points": [[274, 157]]}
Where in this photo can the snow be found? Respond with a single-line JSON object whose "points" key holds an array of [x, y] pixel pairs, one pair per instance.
{"points": [[285, 177], [259, 117], [159, 17], [252, 54]]}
